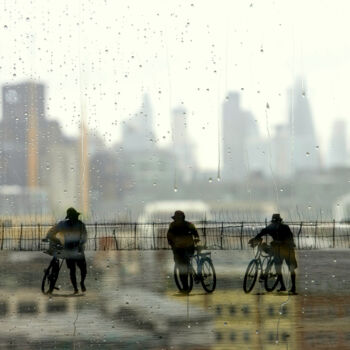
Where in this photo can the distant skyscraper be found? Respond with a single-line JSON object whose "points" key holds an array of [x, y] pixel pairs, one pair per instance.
{"points": [[305, 153], [138, 131], [281, 152], [183, 146], [241, 153], [23, 112], [34, 153], [338, 153]]}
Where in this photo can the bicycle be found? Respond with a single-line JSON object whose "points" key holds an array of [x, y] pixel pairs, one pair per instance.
{"points": [[205, 272], [263, 262], [52, 271]]}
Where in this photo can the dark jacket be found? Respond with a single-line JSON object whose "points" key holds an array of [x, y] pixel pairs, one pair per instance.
{"points": [[280, 233], [74, 232], [181, 233]]}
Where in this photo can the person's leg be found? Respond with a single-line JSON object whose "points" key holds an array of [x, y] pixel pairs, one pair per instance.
{"points": [[71, 267], [292, 265], [82, 266], [181, 263], [278, 264]]}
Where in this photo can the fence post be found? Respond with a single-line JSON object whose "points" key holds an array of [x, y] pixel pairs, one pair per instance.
{"points": [[95, 236], [20, 238], [315, 233], [221, 235], [241, 235], [154, 238], [135, 232], [115, 240], [39, 238], [300, 228], [2, 235], [333, 233], [205, 232]]}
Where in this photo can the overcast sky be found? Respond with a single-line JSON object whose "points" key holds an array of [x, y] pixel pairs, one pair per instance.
{"points": [[190, 52]]}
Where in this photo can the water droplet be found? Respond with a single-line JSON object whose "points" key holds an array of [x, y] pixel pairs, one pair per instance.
{"points": [[303, 93], [175, 189], [154, 184], [309, 207], [218, 179], [281, 189], [267, 105], [307, 154], [257, 331], [210, 180]]}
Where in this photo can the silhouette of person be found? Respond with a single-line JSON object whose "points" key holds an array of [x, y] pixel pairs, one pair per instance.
{"points": [[75, 235], [282, 247], [180, 237]]}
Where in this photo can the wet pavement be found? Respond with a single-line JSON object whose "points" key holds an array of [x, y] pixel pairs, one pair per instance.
{"points": [[132, 303]]}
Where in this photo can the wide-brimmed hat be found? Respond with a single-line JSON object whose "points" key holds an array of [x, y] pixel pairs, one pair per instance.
{"points": [[72, 213], [178, 215], [276, 218]]}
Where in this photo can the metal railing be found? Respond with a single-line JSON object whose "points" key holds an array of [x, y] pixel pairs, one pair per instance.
{"points": [[153, 236]]}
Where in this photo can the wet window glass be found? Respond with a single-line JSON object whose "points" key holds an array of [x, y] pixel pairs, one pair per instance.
{"points": [[174, 174]]}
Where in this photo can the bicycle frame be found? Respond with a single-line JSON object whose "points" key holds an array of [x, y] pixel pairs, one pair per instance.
{"points": [[197, 257], [262, 259]]}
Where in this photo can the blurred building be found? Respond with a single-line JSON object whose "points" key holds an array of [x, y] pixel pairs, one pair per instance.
{"points": [[34, 153], [305, 148], [338, 155], [183, 145], [281, 152], [242, 153]]}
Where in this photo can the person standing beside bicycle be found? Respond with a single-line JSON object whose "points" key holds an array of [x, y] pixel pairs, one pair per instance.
{"points": [[182, 236], [282, 248], [75, 236]]}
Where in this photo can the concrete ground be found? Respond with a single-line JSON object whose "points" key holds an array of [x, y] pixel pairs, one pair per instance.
{"points": [[132, 303]]}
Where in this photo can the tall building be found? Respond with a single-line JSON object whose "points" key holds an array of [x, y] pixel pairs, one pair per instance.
{"points": [[338, 153], [281, 152], [305, 153], [183, 147], [241, 150], [35, 156], [138, 130]]}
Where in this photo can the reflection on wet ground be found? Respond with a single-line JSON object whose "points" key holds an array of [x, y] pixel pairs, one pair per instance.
{"points": [[132, 303]]}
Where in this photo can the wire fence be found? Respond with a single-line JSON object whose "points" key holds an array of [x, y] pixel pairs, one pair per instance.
{"points": [[153, 236]]}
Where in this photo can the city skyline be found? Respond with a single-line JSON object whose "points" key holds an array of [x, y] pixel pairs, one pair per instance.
{"points": [[258, 49]]}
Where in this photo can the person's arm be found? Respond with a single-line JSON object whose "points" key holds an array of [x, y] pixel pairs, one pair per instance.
{"points": [[51, 234], [258, 237], [194, 231], [262, 233]]}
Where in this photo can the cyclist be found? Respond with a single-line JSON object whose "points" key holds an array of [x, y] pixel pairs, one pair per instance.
{"points": [[282, 248], [74, 233], [180, 237]]}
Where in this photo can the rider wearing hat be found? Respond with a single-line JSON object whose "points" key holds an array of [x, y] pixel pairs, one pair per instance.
{"points": [[180, 237], [282, 247], [74, 233]]}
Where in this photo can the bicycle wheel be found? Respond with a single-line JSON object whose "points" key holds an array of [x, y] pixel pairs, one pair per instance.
{"points": [[271, 277], [178, 280], [250, 276], [50, 277], [207, 275]]}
